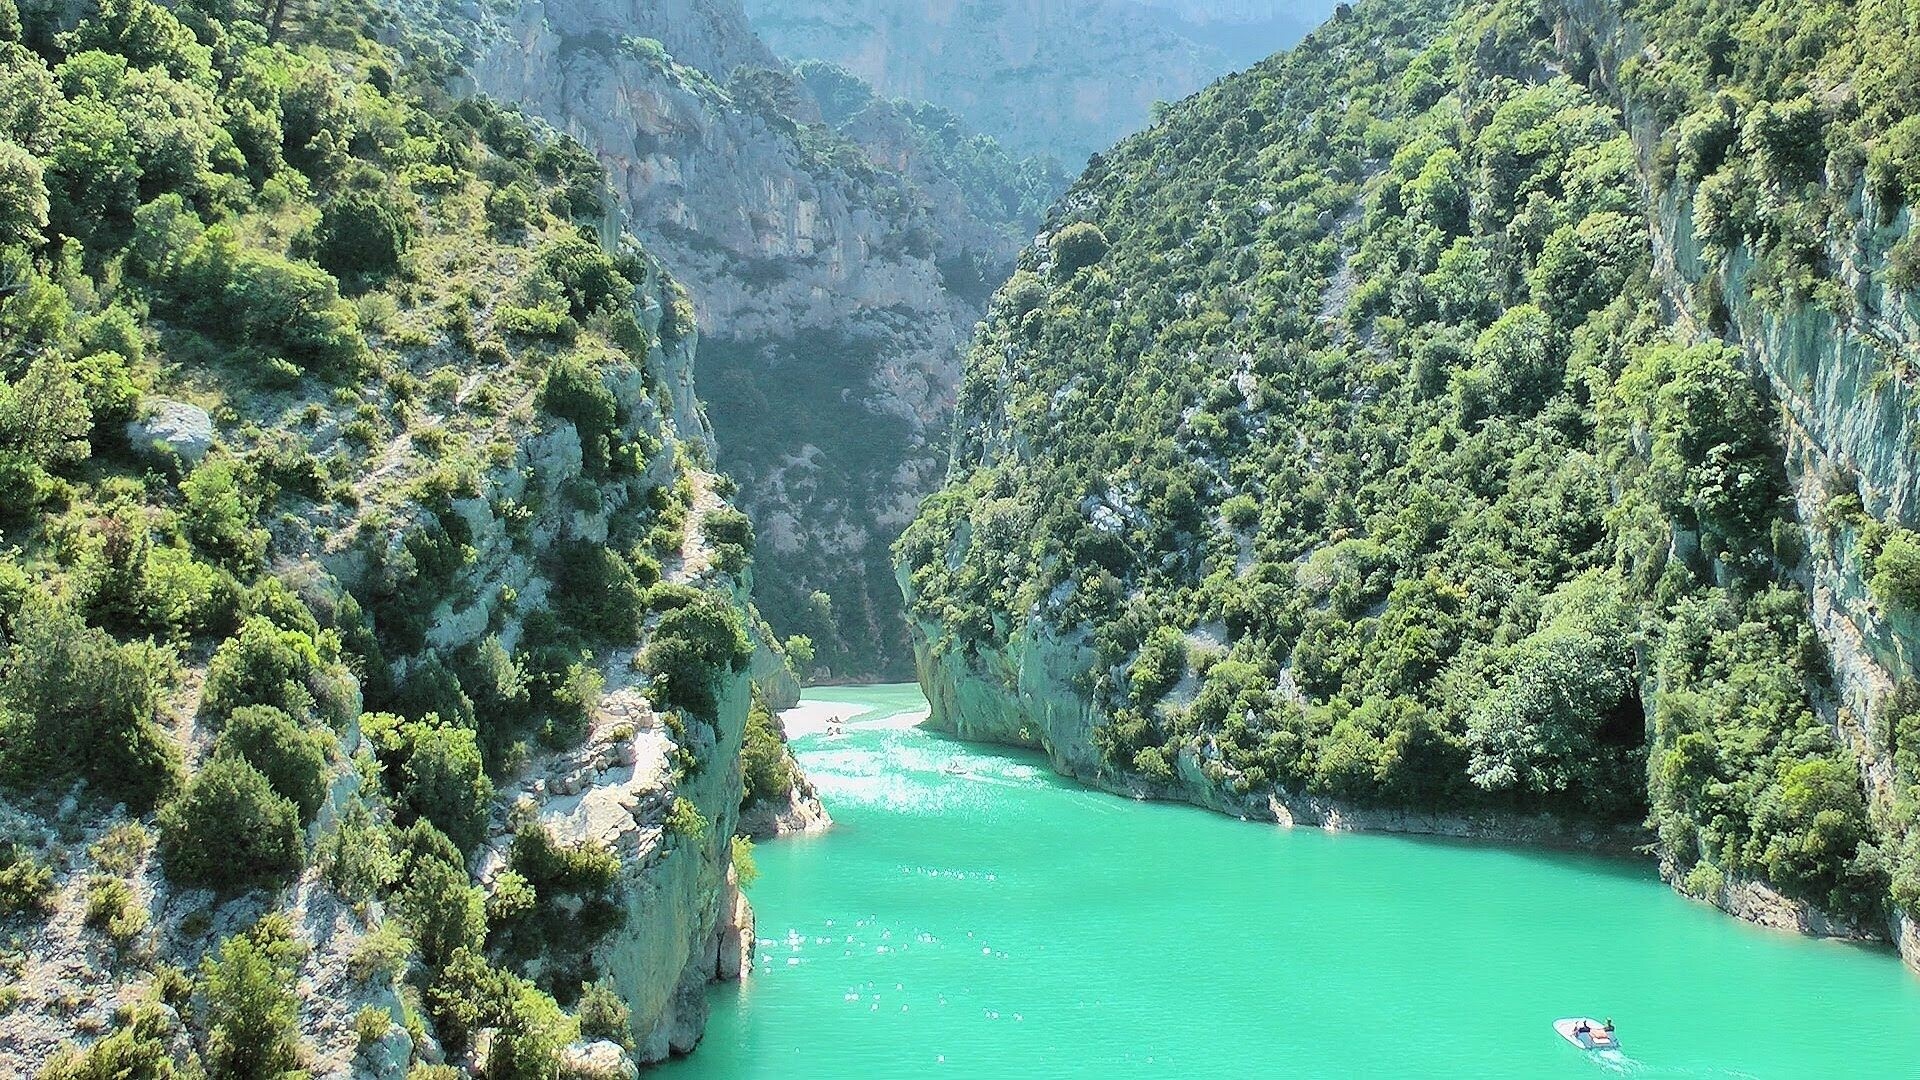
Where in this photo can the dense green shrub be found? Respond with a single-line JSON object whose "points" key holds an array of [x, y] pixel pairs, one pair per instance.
{"points": [[686, 821], [1896, 569], [139, 1046], [44, 423], [766, 769], [560, 906], [437, 773], [1810, 829], [254, 299], [574, 391], [230, 830], [26, 882], [1078, 246], [133, 583], [445, 782], [432, 689], [252, 1018], [265, 664], [222, 503], [596, 591], [691, 649], [1567, 682], [356, 856], [529, 1029], [731, 534], [587, 276], [23, 196], [363, 231], [113, 910], [73, 701], [1161, 662], [441, 908], [603, 1015], [511, 208], [293, 760], [147, 35]]}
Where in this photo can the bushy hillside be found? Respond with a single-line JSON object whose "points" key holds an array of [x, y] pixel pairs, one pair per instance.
{"points": [[353, 486], [1361, 432]]}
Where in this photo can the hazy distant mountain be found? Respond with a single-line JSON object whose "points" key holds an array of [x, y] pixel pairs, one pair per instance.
{"points": [[1066, 77]]}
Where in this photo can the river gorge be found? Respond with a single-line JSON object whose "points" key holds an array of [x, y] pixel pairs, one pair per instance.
{"points": [[973, 914]]}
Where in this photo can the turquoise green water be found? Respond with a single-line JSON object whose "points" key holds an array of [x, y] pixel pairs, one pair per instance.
{"points": [[1005, 923]]}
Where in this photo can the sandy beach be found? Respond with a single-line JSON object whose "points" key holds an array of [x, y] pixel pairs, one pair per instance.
{"points": [[813, 717]]}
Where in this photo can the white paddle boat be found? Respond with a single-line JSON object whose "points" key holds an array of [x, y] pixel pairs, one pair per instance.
{"points": [[1587, 1033]]}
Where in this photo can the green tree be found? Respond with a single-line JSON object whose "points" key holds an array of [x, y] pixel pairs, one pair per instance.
{"points": [[1896, 569], [529, 1029], [147, 35], [1712, 459], [92, 174], [73, 700], [356, 855], [252, 1017], [363, 231], [1542, 729], [766, 769], [574, 391], [604, 1016], [586, 274], [230, 830], [264, 664], [23, 196], [442, 910], [511, 208], [44, 418], [1078, 246], [293, 760], [1810, 827], [445, 782], [692, 647], [220, 511]]}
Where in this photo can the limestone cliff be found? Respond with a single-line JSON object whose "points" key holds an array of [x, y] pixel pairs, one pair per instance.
{"points": [[1842, 374], [1031, 694], [834, 276]]}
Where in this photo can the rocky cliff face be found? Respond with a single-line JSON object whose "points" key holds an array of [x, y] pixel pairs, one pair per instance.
{"points": [[685, 923], [1061, 77], [1032, 694], [834, 277], [1847, 419], [681, 923]]}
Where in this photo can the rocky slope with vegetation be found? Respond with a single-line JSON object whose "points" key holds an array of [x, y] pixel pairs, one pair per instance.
{"points": [[1482, 416], [375, 655], [1058, 78], [838, 249]]}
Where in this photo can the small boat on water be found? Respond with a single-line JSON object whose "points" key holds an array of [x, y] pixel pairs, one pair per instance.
{"points": [[1587, 1033], [954, 768]]}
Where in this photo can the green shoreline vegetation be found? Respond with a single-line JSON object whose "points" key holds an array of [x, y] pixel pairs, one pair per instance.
{"points": [[1342, 414], [374, 296]]}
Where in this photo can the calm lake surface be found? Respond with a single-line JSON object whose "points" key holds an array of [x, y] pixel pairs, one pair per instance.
{"points": [[973, 915]]}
